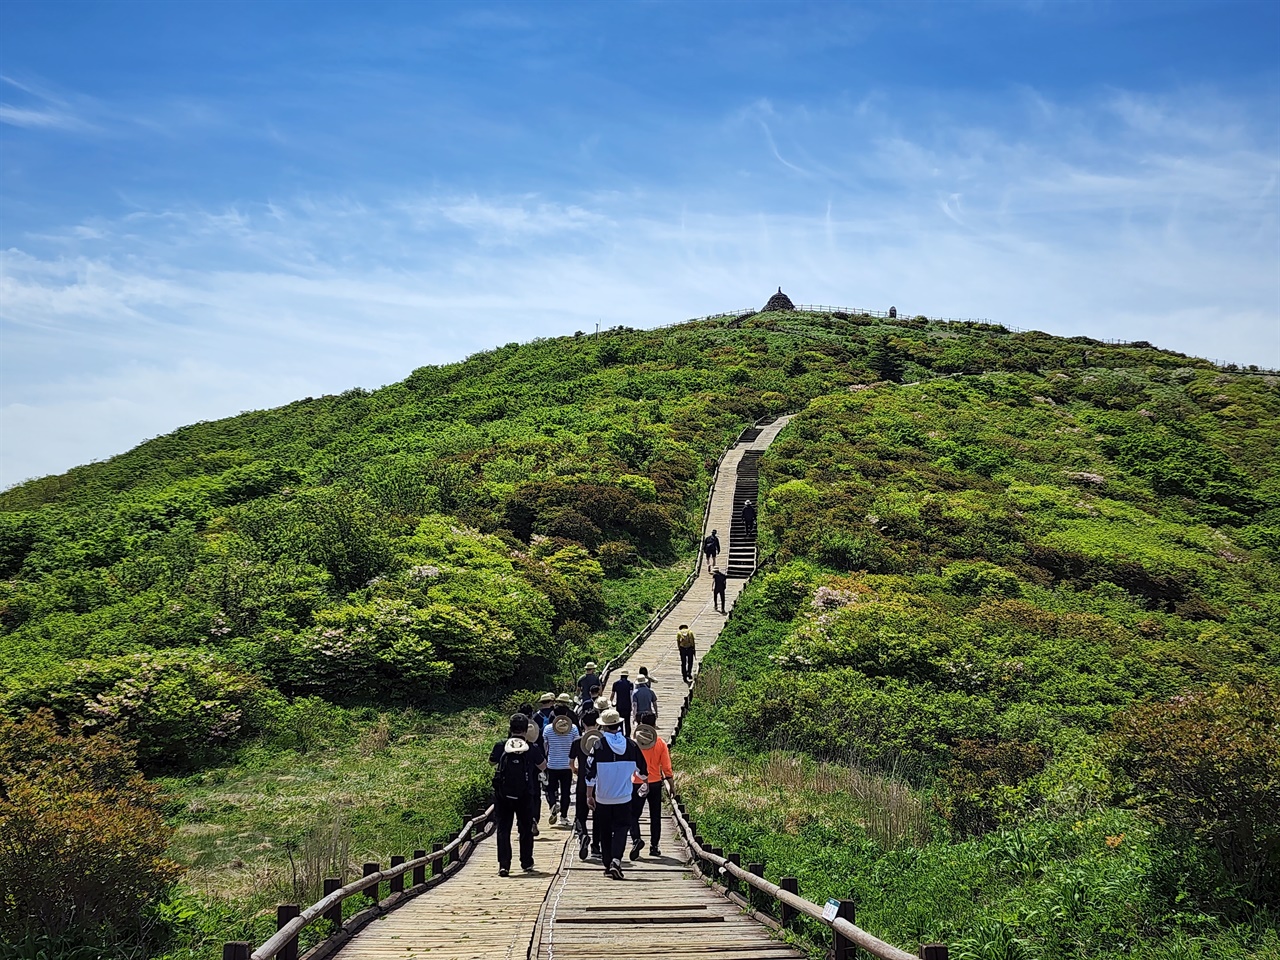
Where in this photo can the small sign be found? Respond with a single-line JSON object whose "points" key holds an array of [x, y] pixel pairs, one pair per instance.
{"points": [[831, 910]]}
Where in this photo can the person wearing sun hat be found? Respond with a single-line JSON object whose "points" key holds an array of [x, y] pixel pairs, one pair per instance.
{"points": [[590, 678], [657, 758], [515, 782], [610, 766], [557, 738], [546, 705], [644, 700]]}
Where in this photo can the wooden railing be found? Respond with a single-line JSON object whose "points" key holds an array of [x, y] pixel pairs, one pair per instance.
{"points": [[444, 861], [727, 871]]}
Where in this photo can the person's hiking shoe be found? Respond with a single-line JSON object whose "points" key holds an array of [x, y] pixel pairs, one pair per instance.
{"points": [[528, 869], [655, 852], [536, 831], [504, 871], [636, 847], [584, 847], [615, 870], [555, 814]]}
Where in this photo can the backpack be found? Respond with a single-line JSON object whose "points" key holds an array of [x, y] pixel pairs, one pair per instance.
{"points": [[708, 544], [513, 780]]}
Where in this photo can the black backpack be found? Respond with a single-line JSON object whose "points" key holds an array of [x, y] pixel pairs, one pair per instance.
{"points": [[513, 779], [708, 543]]}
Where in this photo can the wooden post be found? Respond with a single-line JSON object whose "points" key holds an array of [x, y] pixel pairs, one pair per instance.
{"points": [[702, 864], [788, 914], [845, 948], [397, 882], [235, 950], [334, 913], [933, 951], [420, 871], [284, 913], [372, 892], [730, 880], [754, 895], [715, 870], [437, 865]]}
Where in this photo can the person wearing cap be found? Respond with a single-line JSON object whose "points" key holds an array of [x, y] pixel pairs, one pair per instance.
{"points": [[719, 581], [643, 699], [507, 809], [657, 758], [687, 643], [557, 738], [749, 516], [711, 547], [610, 766], [622, 689], [578, 762], [588, 680]]}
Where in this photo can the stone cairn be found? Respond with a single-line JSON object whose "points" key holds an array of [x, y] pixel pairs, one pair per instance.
{"points": [[779, 301]]}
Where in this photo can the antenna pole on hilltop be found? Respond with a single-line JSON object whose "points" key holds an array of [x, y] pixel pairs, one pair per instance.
{"points": [[597, 328]]}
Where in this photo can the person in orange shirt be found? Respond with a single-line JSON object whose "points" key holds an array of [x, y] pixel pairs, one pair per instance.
{"points": [[657, 758]]}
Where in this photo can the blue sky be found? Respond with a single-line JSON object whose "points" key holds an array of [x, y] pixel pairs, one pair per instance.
{"points": [[209, 208]]}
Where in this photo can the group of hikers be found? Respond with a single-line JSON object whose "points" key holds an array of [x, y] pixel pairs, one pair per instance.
{"points": [[596, 773], [711, 551]]}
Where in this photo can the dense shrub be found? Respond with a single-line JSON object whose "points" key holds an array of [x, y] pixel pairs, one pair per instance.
{"points": [[1206, 764], [183, 707], [82, 839]]}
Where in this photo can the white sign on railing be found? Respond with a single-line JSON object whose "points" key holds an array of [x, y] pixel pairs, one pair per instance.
{"points": [[831, 910]]}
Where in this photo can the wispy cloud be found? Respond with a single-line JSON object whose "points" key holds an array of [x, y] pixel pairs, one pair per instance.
{"points": [[48, 111], [1148, 222]]}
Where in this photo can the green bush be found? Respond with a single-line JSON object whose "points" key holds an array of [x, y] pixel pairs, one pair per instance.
{"points": [[1206, 765], [182, 707], [82, 839]]}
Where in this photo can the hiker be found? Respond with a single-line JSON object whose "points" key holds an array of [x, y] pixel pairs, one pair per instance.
{"points": [[546, 703], [515, 778], [711, 547], [687, 643], [557, 737], [622, 689], [588, 680], [610, 766], [657, 758], [719, 580], [749, 516], [644, 672], [643, 698], [577, 762], [534, 735]]}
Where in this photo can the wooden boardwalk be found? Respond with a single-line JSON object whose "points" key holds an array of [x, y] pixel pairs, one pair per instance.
{"points": [[567, 908]]}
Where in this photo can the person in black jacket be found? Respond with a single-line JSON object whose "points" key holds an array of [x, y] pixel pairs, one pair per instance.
{"points": [[719, 580], [622, 689], [529, 760], [749, 516], [711, 547]]}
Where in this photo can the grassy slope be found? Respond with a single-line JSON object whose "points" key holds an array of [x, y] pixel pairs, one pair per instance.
{"points": [[1018, 604], [131, 554]]}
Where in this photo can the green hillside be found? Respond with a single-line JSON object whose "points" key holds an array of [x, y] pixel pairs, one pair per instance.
{"points": [[1014, 579]]}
